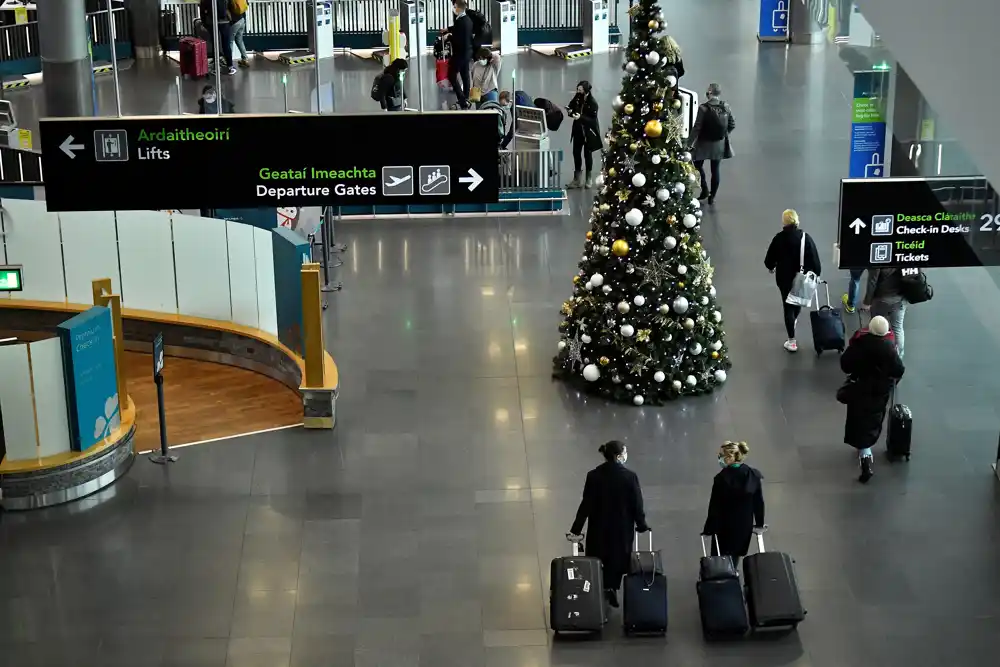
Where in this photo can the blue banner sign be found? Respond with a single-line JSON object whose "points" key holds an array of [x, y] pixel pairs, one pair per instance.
{"points": [[868, 143], [773, 26], [91, 381]]}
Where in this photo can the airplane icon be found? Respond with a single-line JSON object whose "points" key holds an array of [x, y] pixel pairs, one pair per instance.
{"points": [[397, 181]]}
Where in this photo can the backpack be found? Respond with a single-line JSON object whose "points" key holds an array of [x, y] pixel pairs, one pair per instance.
{"points": [[502, 117], [523, 99], [378, 87], [482, 31], [553, 114], [714, 123], [239, 7], [914, 287]]}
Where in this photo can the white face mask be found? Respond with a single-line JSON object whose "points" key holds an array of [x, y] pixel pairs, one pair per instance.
{"points": [[210, 99], [722, 462], [483, 63], [623, 457]]}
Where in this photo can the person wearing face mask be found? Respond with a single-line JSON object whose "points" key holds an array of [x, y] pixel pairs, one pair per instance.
{"points": [[209, 103], [710, 141], [613, 510], [485, 76], [736, 508], [460, 35], [586, 134]]}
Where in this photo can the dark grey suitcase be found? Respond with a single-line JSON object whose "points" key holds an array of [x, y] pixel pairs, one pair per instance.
{"points": [[576, 593], [644, 593], [720, 598], [772, 593]]}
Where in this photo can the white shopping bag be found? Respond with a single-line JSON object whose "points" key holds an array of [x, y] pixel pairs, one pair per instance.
{"points": [[805, 283]]}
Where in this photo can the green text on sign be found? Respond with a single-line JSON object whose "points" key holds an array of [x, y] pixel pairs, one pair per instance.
{"points": [[867, 110]]}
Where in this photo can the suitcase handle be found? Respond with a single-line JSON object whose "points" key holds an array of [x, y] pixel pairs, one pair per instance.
{"points": [[760, 543], [714, 538], [576, 549], [635, 546]]}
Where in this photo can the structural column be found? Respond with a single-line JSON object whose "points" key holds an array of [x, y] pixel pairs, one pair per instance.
{"points": [[67, 70]]}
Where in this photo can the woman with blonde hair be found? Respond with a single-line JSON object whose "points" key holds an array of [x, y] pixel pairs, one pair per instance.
{"points": [[791, 252], [736, 508], [673, 57]]}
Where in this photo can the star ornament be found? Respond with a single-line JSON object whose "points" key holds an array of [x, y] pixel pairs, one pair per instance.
{"points": [[673, 128], [655, 273], [573, 351], [628, 162]]}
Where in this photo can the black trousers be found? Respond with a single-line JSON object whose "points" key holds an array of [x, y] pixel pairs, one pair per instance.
{"points": [[715, 165], [582, 154], [459, 70], [790, 312]]}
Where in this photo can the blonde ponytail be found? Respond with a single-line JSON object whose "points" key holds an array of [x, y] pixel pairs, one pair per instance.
{"points": [[734, 452]]}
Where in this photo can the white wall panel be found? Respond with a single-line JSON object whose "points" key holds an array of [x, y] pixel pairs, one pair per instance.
{"points": [[90, 251], [49, 381], [3, 257], [32, 240], [243, 274], [145, 251], [16, 405], [202, 264], [267, 306]]}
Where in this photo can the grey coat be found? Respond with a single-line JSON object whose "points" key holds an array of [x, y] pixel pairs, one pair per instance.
{"points": [[705, 149]]}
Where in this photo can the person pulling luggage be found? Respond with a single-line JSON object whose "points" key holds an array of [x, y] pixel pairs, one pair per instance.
{"points": [[613, 510], [873, 367], [736, 507], [792, 251]]}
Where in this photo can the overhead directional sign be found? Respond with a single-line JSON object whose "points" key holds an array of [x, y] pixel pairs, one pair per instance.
{"points": [[918, 222], [198, 162]]}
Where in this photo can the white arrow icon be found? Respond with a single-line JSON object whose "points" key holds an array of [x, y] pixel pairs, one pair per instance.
{"points": [[857, 226], [68, 147], [473, 179]]}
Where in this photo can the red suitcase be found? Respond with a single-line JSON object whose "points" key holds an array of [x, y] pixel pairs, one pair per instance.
{"points": [[194, 58], [441, 74]]}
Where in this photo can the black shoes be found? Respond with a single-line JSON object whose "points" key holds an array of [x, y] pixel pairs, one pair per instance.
{"points": [[867, 469], [612, 597]]}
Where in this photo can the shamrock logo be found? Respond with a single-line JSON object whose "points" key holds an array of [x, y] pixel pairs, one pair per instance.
{"points": [[111, 420]]}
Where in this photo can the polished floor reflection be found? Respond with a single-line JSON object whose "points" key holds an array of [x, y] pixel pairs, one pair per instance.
{"points": [[419, 532]]}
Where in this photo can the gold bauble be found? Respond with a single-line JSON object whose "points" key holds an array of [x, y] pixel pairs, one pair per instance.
{"points": [[612, 172], [672, 219], [715, 355], [590, 235], [654, 128], [681, 285], [697, 244], [604, 361], [676, 104], [576, 279], [658, 106], [629, 108], [605, 208], [633, 147], [653, 24], [620, 248]]}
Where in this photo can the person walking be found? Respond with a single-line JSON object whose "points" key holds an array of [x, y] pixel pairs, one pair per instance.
{"points": [[221, 34], [238, 17], [884, 296], [460, 35], [852, 299], [710, 139], [585, 134], [873, 367], [736, 507], [791, 252], [613, 510]]}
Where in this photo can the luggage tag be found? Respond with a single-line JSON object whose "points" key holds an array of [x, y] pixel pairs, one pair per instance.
{"points": [[874, 169], [779, 18], [571, 573], [586, 587]]}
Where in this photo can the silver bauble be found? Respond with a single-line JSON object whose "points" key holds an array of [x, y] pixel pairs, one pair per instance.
{"points": [[628, 387], [585, 339], [716, 346], [623, 307], [606, 289], [638, 400], [686, 157], [599, 181], [664, 309], [676, 384], [691, 380], [670, 243], [696, 349], [663, 194], [690, 220], [680, 305], [711, 290], [631, 68], [618, 103], [720, 375], [639, 180], [655, 159], [682, 270], [659, 376], [689, 324], [652, 57], [561, 345], [639, 300], [703, 300], [628, 330], [671, 81], [591, 373], [717, 316], [679, 188]]}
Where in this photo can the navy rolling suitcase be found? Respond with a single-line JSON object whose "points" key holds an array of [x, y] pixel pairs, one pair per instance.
{"points": [[576, 593], [720, 598], [773, 599], [644, 593], [827, 326]]}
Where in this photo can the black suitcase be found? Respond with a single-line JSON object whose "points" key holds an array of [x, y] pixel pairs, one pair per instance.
{"points": [[644, 593], [772, 593], [576, 593], [827, 326], [720, 598], [900, 431]]}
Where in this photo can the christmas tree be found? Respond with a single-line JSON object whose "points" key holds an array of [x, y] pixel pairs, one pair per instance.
{"points": [[643, 325]]}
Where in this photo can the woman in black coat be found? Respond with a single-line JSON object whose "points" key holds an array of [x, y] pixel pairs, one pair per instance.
{"points": [[786, 257], [586, 134], [873, 367], [612, 509], [736, 508]]}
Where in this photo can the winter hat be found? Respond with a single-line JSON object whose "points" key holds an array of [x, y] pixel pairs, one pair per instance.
{"points": [[790, 217], [878, 326]]}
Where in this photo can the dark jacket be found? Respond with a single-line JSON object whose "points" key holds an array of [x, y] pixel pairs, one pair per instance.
{"points": [[461, 39], [884, 284], [393, 94], [586, 129], [736, 506], [612, 509], [783, 257], [703, 148], [205, 107], [875, 366], [553, 114], [205, 8]]}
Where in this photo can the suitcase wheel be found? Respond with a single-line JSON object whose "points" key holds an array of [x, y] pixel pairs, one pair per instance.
{"points": [[819, 352], [907, 457]]}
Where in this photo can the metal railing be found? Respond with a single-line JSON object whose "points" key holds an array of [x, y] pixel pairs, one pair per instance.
{"points": [[523, 171], [20, 41], [369, 17], [20, 166]]}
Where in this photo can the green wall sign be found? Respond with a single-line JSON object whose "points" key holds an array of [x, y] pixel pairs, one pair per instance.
{"points": [[10, 279]]}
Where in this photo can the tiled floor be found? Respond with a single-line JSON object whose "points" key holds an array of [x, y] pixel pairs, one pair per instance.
{"points": [[420, 531]]}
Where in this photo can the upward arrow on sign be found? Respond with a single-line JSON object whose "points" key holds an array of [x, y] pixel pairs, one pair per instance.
{"points": [[857, 226]]}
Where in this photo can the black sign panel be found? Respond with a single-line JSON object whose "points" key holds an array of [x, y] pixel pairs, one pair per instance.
{"points": [[918, 222], [174, 162]]}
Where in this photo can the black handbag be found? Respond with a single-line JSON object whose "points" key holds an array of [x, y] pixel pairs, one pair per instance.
{"points": [[716, 568], [848, 391]]}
